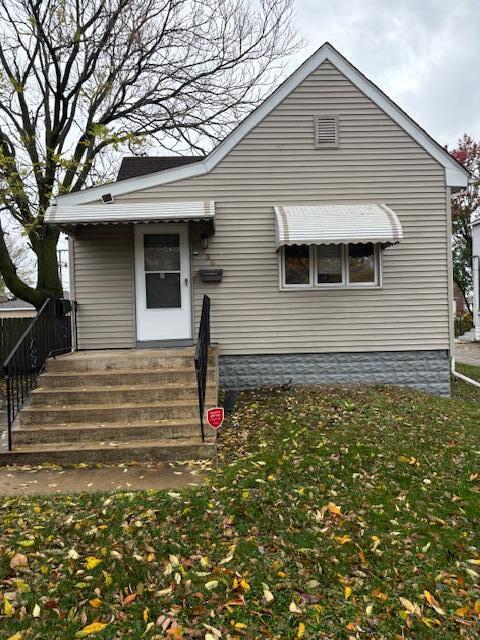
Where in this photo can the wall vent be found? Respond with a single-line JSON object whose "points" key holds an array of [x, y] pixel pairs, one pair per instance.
{"points": [[326, 132]]}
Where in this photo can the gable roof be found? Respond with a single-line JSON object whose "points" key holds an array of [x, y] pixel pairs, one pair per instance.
{"points": [[455, 174], [134, 166]]}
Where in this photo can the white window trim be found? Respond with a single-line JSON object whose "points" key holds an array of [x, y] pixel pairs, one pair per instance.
{"points": [[344, 285]]}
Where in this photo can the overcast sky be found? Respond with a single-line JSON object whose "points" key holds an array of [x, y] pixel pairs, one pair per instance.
{"points": [[425, 54]]}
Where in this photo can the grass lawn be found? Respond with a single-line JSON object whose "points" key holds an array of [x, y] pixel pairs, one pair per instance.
{"points": [[336, 514]]}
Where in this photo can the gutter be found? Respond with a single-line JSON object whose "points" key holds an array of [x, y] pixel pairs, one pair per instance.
{"points": [[460, 376]]}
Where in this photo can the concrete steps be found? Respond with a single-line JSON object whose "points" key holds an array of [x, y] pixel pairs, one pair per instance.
{"points": [[119, 377], [110, 406], [115, 394], [110, 432], [145, 450]]}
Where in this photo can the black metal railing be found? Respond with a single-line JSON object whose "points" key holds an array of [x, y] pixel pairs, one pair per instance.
{"points": [[49, 334], [201, 358]]}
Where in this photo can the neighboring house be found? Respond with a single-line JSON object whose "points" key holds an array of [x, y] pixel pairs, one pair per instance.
{"points": [[16, 308], [325, 219], [476, 277], [460, 307]]}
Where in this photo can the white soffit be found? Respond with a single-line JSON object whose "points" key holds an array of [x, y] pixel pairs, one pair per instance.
{"points": [[130, 212], [455, 174], [336, 224]]}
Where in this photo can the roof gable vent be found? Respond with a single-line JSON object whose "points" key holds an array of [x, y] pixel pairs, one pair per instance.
{"points": [[326, 132]]}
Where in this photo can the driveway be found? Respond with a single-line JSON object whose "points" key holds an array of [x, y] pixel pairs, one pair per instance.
{"points": [[468, 353]]}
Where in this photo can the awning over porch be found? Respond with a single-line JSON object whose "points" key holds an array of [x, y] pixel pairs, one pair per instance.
{"points": [[336, 224], [126, 211]]}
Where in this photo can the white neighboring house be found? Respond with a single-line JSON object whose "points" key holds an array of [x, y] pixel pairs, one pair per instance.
{"points": [[476, 276]]}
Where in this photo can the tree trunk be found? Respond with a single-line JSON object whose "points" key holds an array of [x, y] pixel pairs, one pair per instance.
{"points": [[49, 284]]}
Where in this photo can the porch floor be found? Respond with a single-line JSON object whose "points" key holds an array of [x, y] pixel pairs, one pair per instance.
{"points": [[113, 406]]}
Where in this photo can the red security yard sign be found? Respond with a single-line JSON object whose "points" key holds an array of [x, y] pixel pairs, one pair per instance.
{"points": [[215, 417]]}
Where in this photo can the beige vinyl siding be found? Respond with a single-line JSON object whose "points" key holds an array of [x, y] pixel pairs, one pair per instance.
{"points": [[104, 287], [277, 163]]}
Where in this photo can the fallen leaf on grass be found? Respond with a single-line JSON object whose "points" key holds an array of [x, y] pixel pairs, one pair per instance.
{"points": [[8, 608], [213, 584], [95, 603], [90, 629], [92, 562], [18, 560], [130, 598], [433, 602]]}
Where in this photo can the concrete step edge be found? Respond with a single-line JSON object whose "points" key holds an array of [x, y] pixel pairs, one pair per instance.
{"points": [[73, 453], [170, 404], [166, 422], [118, 387]]}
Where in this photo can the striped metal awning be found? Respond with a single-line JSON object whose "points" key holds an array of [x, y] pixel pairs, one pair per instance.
{"points": [[336, 224], [125, 211]]}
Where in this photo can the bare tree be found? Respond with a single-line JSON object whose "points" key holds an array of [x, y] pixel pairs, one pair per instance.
{"points": [[80, 78]]}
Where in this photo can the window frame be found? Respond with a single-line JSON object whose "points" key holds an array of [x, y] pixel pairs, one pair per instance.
{"points": [[345, 284]]}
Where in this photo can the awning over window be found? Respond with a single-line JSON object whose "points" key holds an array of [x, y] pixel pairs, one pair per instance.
{"points": [[336, 224], [126, 211]]}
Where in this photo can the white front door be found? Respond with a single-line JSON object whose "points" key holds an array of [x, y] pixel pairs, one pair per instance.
{"points": [[162, 282]]}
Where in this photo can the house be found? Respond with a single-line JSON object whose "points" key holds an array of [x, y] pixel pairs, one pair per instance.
{"points": [[16, 308], [460, 307], [476, 277], [319, 229], [327, 210]]}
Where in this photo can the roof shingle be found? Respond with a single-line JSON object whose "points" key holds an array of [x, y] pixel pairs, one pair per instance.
{"points": [[135, 166]]}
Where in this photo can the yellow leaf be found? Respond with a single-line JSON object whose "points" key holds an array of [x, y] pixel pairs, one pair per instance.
{"points": [[16, 636], [462, 612], [145, 615], [22, 586], [476, 607], [474, 561], [92, 562], [380, 595], [8, 608], [240, 625], [95, 603], [151, 557], [244, 584], [347, 592], [108, 578], [433, 603], [300, 630], [90, 629], [343, 539], [369, 610], [26, 543], [334, 509], [36, 611]]}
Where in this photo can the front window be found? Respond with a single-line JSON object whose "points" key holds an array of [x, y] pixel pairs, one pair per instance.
{"points": [[297, 264], [330, 265]]}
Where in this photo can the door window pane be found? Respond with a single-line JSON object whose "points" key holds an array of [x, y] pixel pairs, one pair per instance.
{"points": [[361, 262], [329, 263], [297, 264], [163, 290], [162, 251]]}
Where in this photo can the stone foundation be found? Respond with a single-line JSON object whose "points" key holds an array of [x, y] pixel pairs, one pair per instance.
{"points": [[423, 370]]}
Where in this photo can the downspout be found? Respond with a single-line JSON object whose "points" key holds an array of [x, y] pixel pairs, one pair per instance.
{"points": [[460, 376]]}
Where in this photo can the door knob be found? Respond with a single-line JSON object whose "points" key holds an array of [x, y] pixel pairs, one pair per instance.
{"points": [[186, 282]]}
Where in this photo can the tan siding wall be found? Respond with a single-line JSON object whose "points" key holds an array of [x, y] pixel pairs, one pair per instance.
{"points": [[104, 287], [278, 164]]}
